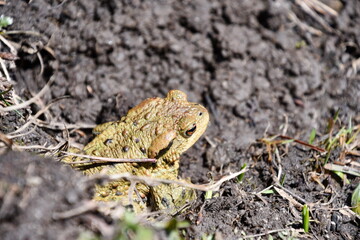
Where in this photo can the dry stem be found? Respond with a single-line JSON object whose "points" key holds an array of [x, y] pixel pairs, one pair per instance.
{"points": [[156, 181], [95, 159]]}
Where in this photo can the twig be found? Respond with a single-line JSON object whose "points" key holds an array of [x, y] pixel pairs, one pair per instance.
{"points": [[86, 207], [21, 134], [96, 159], [33, 118], [319, 149]]}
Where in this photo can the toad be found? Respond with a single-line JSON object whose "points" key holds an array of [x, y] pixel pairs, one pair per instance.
{"points": [[159, 128]]}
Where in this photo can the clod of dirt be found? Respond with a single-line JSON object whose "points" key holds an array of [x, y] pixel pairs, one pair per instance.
{"points": [[32, 190]]}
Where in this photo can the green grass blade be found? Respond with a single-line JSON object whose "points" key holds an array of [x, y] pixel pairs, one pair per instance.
{"points": [[312, 136], [355, 200], [306, 218]]}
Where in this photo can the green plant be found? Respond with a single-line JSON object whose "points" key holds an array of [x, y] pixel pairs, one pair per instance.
{"points": [[5, 21], [355, 200], [305, 218], [130, 228], [241, 176]]}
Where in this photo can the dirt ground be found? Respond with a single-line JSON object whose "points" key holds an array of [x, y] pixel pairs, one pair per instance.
{"points": [[262, 68]]}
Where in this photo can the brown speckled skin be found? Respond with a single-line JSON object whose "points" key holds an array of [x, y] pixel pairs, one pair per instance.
{"points": [[160, 128]]}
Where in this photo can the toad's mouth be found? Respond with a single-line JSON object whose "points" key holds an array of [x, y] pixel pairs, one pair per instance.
{"points": [[163, 151]]}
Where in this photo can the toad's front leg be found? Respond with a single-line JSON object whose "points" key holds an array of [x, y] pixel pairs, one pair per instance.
{"points": [[122, 191], [170, 197]]}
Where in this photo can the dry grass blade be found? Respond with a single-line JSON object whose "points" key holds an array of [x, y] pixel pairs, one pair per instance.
{"points": [[278, 159], [215, 186], [62, 126], [299, 199], [321, 7], [33, 118], [9, 44], [303, 26], [22, 134], [307, 7], [288, 197], [31, 100], [14, 32], [344, 169], [50, 148], [7, 75]]}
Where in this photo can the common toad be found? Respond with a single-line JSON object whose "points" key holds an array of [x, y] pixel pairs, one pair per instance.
{"points": [[160, 128]]}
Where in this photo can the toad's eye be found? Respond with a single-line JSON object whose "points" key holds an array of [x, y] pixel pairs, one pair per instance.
{"points": [[190, 132]]}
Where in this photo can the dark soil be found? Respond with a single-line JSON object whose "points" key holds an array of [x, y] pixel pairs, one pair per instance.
{"points": [[256, 70], [37, 188]]}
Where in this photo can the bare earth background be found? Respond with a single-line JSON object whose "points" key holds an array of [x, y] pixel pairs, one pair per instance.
{"points": [[260, 67]]}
